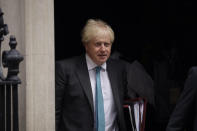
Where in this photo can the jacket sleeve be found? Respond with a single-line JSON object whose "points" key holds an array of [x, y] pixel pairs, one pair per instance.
{"points": [[59, 93], [184, 110]]}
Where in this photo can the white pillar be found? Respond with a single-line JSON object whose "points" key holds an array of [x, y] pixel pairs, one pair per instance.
{"points": [[32, 22]]}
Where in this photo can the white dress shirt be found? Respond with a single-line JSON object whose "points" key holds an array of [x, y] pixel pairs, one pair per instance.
{"points": [[109, 107]]}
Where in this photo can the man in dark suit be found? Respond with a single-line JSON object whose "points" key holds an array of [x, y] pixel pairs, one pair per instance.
{"points": [[184, 115], [76, 85]]}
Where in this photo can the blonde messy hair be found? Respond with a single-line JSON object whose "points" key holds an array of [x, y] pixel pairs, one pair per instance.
{"points": [[94, 28]]}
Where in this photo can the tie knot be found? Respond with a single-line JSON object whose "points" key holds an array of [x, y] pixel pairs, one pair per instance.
{"points": [[98, 68]]}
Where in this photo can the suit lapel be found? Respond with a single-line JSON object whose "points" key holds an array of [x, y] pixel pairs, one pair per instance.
{"points": [[113, 77], [84, 79], [114, 83]]}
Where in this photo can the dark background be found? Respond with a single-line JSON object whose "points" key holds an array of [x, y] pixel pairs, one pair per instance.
{"points": [[154, 25], [154, 31], [164, 24]]}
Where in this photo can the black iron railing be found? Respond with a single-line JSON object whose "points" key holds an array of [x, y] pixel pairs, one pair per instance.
{"points": [[9, 59]]}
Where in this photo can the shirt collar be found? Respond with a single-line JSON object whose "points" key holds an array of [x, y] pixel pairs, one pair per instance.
{"points": [[91, 65]]}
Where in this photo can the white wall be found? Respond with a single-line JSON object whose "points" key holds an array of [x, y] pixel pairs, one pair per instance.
{"points": [[32, 22]]}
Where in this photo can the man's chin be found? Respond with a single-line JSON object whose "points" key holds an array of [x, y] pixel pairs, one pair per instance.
{"points": [[102, 61], [103, 58]]}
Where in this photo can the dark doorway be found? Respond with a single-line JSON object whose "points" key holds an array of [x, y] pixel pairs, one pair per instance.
{"points": [[163, 25], [148, 31], [144, 30], [127, 20]]}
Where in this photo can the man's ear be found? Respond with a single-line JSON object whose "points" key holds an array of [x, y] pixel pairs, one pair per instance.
{"points": [[85, 45]]}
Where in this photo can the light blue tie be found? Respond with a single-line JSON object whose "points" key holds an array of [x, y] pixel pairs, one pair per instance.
{"points": [[100, 115]]}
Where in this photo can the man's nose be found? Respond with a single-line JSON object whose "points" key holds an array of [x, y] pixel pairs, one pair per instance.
{"points": [[103, 47]]}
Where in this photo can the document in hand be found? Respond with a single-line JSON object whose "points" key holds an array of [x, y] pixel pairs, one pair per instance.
{"points": [[135, 113]]}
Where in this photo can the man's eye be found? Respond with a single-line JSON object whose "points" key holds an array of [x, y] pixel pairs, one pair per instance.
{"points": [[98, 44], [107, 44]]}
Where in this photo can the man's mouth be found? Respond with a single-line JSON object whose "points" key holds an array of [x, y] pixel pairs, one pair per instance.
{"points": [[102, 55]]}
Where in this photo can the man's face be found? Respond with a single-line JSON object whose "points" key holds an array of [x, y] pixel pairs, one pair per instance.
{"points": [[99, 49]]}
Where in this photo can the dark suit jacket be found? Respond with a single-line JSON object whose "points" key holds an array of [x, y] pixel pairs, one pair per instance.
{"points": [[74, 100], [185, 113]]}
